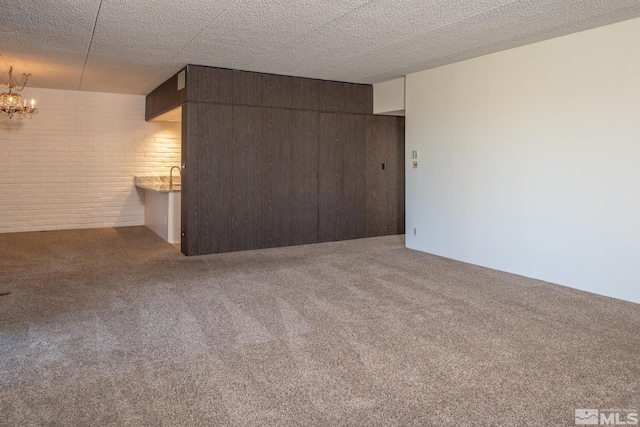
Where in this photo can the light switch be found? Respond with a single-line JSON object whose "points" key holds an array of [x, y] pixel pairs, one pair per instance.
{"points": [[414, 154]]}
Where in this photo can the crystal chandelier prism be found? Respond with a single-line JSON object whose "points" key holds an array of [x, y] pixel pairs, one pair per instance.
{"points": [[12, 104]]}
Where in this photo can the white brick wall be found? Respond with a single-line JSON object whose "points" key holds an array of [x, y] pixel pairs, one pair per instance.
{"points": [[72, 165]]}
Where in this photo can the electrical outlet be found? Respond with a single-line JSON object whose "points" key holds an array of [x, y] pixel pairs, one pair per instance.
{"points": [[415, 164]]}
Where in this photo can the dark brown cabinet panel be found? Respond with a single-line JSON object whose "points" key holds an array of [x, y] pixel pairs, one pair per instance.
{"points": [[331, 95], [247, 175], [330, 177], [376, 177], [279, 91], [216, 177], [342, 160], [190, 212], [276, 161], [305, 95], [345, 97], [396, 195], [208, 178], [304, 185], [247, 88], [290, 192], [385, 186], [354, 186], [358, 99], [164, 98], [187, 202], [207, 84], [291, 92], [277, 190]]}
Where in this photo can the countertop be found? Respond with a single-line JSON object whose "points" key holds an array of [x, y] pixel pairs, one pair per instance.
{"points": [[159, 184]]}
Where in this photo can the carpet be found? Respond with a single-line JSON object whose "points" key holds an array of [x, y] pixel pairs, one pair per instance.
{"points": [[115, 327]]}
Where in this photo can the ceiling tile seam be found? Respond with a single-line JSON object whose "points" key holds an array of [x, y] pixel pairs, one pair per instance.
{"points": [[397, 42], [531, 37], [190, 41], [317, 28], [495, 46], [93, 32]]}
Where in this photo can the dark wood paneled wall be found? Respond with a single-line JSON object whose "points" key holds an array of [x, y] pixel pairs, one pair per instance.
{"points": [[207, 150], [165, 98], [206, 84], [275, 161], [342, 184], [278, 177], [304, 172], [219, 85], [385, 176], [247, 166]]}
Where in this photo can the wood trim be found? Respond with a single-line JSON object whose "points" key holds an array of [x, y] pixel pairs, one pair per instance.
{"points": [[165, 97]]}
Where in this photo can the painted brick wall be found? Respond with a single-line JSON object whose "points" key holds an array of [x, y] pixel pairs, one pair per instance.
{"points": [[72, 165]]}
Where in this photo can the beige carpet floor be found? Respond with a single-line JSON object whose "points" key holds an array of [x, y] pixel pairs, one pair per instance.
{"points": [[114, 327]]}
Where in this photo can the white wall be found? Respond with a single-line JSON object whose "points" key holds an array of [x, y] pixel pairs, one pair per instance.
{"points": [[72, 165], [388, 97], [529, 160]]}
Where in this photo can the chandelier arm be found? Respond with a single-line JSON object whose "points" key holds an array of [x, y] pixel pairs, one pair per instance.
{"points": [[26, 78], [12, 81]]}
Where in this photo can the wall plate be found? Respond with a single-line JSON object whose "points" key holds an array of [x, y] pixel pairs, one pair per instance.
{"points": [[181, 79]]}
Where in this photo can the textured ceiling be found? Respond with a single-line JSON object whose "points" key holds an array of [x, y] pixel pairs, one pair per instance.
{"points": [[128, 46]]}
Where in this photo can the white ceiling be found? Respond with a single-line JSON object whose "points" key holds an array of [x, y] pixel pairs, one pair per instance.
{"points": [[131, 46]]}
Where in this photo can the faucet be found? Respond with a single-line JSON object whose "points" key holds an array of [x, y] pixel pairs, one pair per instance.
{"points": [[171, 176]]}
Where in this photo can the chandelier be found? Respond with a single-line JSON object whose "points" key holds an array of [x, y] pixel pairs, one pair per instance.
{"points": [[11, 103]]}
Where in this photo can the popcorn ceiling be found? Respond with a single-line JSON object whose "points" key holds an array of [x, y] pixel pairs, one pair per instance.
{"points": [[138, 45]]}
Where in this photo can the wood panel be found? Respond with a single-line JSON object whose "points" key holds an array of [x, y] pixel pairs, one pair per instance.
{"points": [[207, 84], [277, 191], [306, 92], [186, 201], [208, 179], [215, 173], [358, 98], [191, 179], [376, 178], [247, 88], [354, 185], [330, 177], [279, 91], [304, 167], [291, 92], [331, 95], [396, 194], [304, 204], [385, 188], [247, 166], [164, 98], [342, 182]]}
